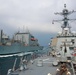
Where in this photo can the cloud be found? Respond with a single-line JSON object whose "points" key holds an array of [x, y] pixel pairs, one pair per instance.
{"points": [[37, 15], [23, 12]]}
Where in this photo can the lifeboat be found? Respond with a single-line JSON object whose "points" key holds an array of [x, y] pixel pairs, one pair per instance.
{"points": [[33, 39]]}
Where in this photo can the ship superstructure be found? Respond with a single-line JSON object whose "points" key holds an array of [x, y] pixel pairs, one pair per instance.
{"points": [[27, 38], [66, 34]]}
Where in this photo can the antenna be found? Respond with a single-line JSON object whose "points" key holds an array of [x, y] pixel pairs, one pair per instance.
{"points": [[64, 5], [65, 20]]}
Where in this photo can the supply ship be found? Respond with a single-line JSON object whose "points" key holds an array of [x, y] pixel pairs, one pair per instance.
{"points": [[14, 51]]}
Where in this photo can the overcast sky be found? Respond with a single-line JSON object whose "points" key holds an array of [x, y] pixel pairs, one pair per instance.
{"points": [[36, 15]]}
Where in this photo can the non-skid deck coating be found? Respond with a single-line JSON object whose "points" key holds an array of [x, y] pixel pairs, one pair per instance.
{"points": [[47, 67]]}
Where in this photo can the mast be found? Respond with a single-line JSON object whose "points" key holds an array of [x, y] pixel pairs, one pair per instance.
{"points": [[65, 13]]}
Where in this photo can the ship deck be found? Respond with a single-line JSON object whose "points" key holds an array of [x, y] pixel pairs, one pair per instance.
{"points": [[33, 69]]}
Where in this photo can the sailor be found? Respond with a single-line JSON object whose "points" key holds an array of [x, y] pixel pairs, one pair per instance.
{"points": [[63, 67], [63, 70]]}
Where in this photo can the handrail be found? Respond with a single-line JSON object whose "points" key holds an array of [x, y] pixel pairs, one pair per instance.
{"points": [[73, 68]]}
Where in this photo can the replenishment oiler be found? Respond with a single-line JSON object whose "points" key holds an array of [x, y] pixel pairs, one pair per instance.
{"points": [[14, 51]]}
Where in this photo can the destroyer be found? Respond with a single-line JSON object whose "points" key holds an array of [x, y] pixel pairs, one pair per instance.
{"points": [[63, 45], [66, 36]]}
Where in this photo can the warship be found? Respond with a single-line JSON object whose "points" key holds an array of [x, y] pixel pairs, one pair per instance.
{"points": [[60, 56], [23, 46], [66, 35], [64, 44]]}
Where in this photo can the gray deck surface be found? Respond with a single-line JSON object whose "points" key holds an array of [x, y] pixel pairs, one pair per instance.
{"points": [[47, 67]]}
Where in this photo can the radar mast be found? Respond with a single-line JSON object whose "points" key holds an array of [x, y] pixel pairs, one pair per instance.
{"points": [[65, 12]]}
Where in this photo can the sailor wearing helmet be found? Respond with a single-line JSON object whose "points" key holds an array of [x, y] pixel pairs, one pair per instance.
{"points": [[63, 70]]}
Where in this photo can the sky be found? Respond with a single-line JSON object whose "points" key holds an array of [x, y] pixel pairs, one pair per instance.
{"points": [[34, 15]]}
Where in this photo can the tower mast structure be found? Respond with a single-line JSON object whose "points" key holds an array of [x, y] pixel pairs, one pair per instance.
{"points": [[65, 13]]}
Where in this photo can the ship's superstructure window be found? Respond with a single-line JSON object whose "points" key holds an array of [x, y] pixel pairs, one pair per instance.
{"points": [[71, 48]]}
